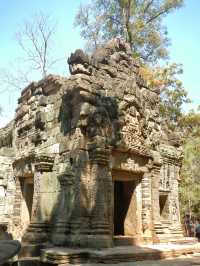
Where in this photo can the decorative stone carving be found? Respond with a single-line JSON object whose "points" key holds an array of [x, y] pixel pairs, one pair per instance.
{"points": [[44, 163], [64, 211], [79, 63]]}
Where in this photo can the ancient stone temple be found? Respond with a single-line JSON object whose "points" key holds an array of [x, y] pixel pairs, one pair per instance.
{"points": [[86, 162]]}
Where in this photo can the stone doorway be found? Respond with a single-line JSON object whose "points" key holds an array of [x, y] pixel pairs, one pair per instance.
{"points": [[125, 208], [164, 206], [27, 190]]}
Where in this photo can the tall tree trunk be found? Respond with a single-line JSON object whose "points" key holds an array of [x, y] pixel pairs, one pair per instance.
{"points": [[128, 23]]}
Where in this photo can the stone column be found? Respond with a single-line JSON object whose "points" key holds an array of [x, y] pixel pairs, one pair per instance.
{"points": [[101, 202], [38, 229], [155, 192], [147, 206], [176, 228], [61, 230], [89, 219], [17, 203], [156, 172]]}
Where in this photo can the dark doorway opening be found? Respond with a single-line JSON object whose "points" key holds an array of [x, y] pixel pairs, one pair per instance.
{"points": [[29, 197], [123, 192], [27, 189], [163, 202]]}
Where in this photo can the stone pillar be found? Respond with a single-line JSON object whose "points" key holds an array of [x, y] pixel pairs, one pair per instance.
{"points": [[155, 192], [101, 200], [176, 228], [157, 225], [38, 229], [87, 211], [17, 203], [147, 207], [61, 229]]}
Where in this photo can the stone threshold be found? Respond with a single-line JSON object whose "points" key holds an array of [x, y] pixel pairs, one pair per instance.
{"points": [[61, 255]]}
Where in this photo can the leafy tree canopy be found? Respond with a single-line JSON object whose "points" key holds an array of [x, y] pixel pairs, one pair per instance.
{"points": [[190, 184], [173, 95], [139, 22]]}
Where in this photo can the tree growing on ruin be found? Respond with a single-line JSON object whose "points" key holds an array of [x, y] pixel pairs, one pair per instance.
{"points": [[139, 22]]}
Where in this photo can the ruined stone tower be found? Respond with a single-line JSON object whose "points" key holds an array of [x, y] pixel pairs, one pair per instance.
{"points": [[86, 163]]}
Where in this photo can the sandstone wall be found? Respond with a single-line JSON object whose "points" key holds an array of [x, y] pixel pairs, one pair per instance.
{"points": [[7, 181]]}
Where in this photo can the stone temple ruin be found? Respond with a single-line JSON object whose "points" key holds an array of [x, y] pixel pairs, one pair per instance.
{"points": [[86, 162]]}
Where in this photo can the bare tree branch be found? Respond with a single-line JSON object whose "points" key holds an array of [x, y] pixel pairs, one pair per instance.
{"points": [[35, 40]]}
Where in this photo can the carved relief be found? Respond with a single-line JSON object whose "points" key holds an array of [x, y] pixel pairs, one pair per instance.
{"points": [[165, 177], [131, 132]]}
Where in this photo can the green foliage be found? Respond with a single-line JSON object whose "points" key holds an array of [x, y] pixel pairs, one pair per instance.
{"points": [[173, 95], [190, 184], [190, 173], [190, 124], [139, 22]]}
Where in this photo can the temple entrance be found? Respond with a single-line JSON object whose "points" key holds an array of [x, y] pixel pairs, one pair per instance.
{"points": [[164, 206], [124, 208], [27, 190]]}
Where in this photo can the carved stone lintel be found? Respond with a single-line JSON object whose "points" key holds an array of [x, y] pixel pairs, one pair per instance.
{"points": [[44, 163], [43, 167], [66, 178]]}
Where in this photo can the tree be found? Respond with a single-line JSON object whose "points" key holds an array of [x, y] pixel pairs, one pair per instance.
{"points": [[139, 22], [190, 173], [190, 185], [173, 95], [190, 124], [35, 39]]}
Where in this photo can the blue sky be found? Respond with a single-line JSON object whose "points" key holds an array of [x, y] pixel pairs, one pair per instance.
{"points": [[183, 28]]}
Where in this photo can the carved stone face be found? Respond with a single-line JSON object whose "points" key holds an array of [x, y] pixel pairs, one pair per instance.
{"points": [[85, 111], [94, 120], [98, 119]]}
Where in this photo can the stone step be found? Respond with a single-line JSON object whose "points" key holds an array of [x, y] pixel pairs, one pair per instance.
{"points": [[185, 240], [31, 250], [161, 227], [165, 231], [60, 256], [29, 261], [125, 241], [177, 239]]}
